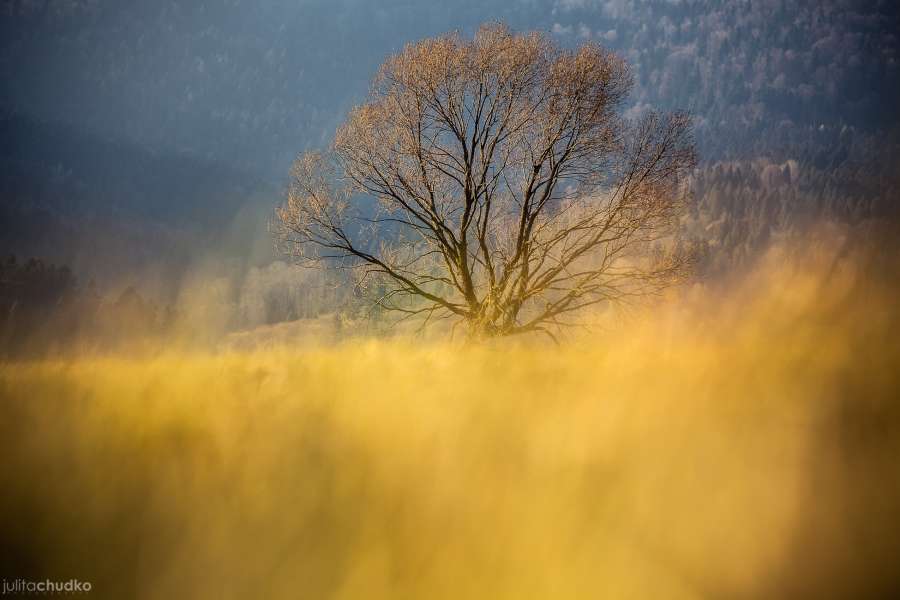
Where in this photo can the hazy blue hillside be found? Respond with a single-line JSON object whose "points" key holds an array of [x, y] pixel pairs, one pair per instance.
{"points": [[252, 83]]}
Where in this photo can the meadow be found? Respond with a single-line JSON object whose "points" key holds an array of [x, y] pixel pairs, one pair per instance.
{"points": [[730, 442]]}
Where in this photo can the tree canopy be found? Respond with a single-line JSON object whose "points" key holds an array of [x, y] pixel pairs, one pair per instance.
{"points": [[510, 190]]}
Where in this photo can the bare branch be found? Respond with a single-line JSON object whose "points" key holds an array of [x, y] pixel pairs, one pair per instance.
{"points": [[493, 180]]}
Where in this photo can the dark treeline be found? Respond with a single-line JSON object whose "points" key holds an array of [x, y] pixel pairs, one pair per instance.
{"points": [[740, 208], [45, 310]]}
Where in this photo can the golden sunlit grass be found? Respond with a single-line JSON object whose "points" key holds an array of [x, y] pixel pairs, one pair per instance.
{"points": [[742, 446]]}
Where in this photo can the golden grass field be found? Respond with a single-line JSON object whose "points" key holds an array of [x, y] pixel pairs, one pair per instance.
{"points": [[728, 444]]}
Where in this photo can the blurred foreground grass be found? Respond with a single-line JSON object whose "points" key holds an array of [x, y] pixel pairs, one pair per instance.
{"points": [[738, 446]]}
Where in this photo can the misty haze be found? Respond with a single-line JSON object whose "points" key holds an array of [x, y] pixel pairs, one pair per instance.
{"points": [[496, 299]]}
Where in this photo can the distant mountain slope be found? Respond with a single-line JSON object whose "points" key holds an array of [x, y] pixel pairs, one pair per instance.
{"points": [[117, 211], [253, 83], [762, 76], [61, 167]]}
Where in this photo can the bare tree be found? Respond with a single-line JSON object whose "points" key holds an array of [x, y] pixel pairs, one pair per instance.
{"points": [[508, 190]]}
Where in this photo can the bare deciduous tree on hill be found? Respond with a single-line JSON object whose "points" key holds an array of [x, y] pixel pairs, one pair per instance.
{"points": [[510, 191]]}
